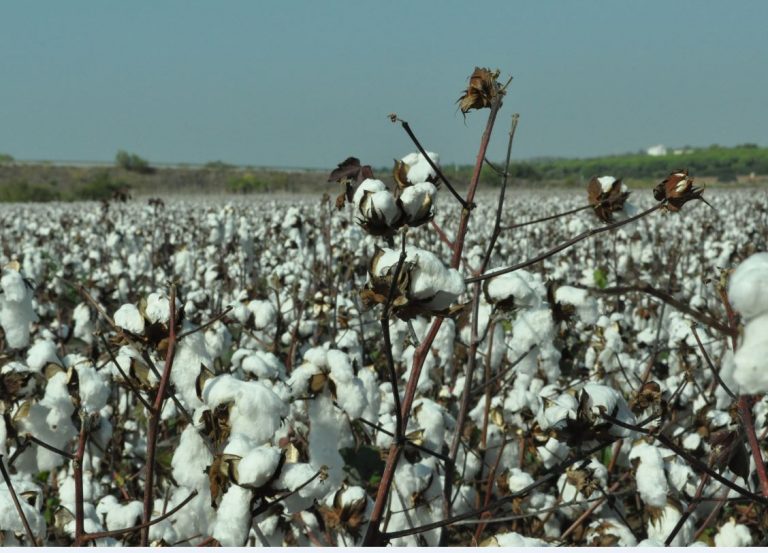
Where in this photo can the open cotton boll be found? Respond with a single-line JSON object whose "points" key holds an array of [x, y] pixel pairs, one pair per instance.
{"points": [[262, 364], [516, 286], [733, 535], [264, 314], [368, 185], [129, 318], [324, 435], [124, 516], [191, 353], [16, 311], [606, 183], [9, 517], [93, 387], [604, 399], [233, 517], [420, 170], [586, 306], [651, 481], [751, 359], [748, 286], [609, 532], [83, 330], [417, 201], [661, 525], [40, 354], [158, 308], [258, 466]]}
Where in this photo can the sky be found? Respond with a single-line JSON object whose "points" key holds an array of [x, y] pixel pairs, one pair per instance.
{"points": [[307, 83]]}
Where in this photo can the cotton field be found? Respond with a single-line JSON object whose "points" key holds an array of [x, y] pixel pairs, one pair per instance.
{"points": [[259, 372]]}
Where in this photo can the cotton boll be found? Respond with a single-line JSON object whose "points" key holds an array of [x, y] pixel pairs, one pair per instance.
{"points": [[264, 314], [124, 516], [651, 480], [16, 311], [603, 399], [42, 353], [661, 525], [751, 359], [129, 318], [748, 286], [233, 517], [158, 308], [609, 532], [9, 516], [324, 436], [191, 353], [733, 535], [94, 390], [83, 324], [586, 306], [420, 170], [514, 286], [263, 365], [190, 458], [417, 201], [258, 466]]}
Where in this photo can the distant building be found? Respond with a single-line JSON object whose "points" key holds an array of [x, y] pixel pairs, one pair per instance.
{"points": [[657, 150]]}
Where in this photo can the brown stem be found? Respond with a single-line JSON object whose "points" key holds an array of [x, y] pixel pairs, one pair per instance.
{"points": [[565, 245], [16, 503], [547, 218], [206, 325], [77, 469], [745, 412], [154, 418]]}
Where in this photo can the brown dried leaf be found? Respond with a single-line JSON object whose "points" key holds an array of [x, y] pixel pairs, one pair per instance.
{"points": [[482, 90]]}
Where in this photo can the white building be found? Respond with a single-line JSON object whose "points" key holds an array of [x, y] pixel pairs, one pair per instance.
{"points": [[657, 150]]}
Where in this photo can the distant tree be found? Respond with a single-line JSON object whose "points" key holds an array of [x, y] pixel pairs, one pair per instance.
{"points": [[6, 158], [132, 162]]}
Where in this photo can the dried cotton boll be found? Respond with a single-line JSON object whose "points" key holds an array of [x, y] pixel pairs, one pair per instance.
{"points": [[129, 318], [748, 286]]}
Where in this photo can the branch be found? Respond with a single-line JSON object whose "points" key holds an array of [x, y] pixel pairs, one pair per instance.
{"points": [[16, 503], [564, 245]]}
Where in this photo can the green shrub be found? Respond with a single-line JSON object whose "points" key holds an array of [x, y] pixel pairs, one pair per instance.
{"points": [[133, 163], [25, 192], [5, 158], [103, 187], [246, 184]]}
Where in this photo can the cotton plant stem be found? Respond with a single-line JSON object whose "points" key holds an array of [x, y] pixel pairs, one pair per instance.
{"points": [[563, 246], [373, 535], [77, 470], [19, 509], [546, 218], [154, 419]]}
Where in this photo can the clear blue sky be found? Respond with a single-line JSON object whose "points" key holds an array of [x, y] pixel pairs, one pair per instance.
{"points": [[307, 83]]}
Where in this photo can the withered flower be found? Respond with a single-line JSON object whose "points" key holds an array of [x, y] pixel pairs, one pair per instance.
{"points": [[676, 190], [347, 514], [607, 195], [349, 173], [482, 90]]}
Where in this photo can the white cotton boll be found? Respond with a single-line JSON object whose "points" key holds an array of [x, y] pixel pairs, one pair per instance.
{"points": [[129, 318], [239, 445], [604, 399], [258, 466], [124, 516], [324, 434], [233, 517], [301, 475], [748, 286], [16, 311], [661, 526], [190, 458], [368, 185], [513, 539], [417, 200], [190, 355], [532, 327], [40, 354], [553, 452], [585, 305], [518, 479], [751, 359], [94, 389], [381, 204], [262, 364], [570, 492], [264, 314], [606, 183], [651, 480], [609, 529], [733, 535], [558, 411], [420, 170], [513, 285], [429, 416], [83, 330], [10, 521], [158, 308]]}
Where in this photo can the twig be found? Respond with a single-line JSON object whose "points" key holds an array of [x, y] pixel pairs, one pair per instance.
{"points": [[565, 245], [206, 325], [127, 380], [547, 218], [432, 164], [19, 510], [712, 368], [154, 417]]}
